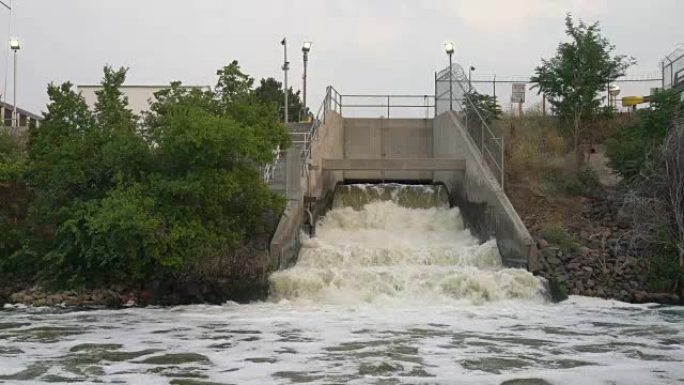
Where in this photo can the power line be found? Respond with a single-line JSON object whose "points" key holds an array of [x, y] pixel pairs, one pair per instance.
{"points": [[6, 6]]}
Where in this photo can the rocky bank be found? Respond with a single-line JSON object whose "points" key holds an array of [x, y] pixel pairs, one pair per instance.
{"points": [[601, 259]]}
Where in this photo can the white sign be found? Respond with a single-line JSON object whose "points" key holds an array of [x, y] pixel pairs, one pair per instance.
{"points": [[518, 94]]}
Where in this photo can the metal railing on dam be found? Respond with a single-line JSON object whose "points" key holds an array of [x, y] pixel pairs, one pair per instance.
{"points": [[352, 140], [453, 92]]}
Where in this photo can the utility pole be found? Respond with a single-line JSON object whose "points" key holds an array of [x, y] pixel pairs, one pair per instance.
{"points": [[470, 77], [449, 48], [494, 88], [15, 46], [286, 67], [306, 47]]}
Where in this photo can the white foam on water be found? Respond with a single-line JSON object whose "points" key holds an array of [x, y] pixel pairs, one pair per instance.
{"points": [[381, 295], [580, 341], [389, 254]]}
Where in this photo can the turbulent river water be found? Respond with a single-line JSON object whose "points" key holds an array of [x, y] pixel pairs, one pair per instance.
{"points": [[391, 290]]}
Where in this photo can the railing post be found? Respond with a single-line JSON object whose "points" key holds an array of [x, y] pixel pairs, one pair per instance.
{"points": [[466, 120], [503, 174], [482, 136], [340, 105], [388, 106]]}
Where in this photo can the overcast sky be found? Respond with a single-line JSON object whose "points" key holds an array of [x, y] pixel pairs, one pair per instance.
{"points": [[359, 46]]}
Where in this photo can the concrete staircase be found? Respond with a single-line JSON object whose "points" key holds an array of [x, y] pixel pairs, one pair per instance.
{"points": [[278, 181]]}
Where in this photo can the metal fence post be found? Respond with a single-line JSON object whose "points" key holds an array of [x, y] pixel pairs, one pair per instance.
{"points": [[435, 94], [482, 136], [503, 174], [387, 106]]}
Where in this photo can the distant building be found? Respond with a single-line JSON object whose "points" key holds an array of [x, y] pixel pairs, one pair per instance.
{"points": [[139, 96], [25, 119]]}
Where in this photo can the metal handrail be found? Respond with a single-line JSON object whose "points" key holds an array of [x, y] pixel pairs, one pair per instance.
{"points": [[428, 101], [334, 102], [477, 127], [269, 169], [491, 137]]}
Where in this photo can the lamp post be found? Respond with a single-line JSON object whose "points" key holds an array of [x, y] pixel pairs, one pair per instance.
{"points": [[15, 45], [470, 77], [286, 67], [306, 47], [449, 49]]}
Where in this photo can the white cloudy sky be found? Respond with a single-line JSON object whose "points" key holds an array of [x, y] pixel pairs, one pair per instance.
{"points": [[360, 46]]}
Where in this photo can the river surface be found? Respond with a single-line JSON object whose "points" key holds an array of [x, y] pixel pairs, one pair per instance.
{"points": [[389, 291]]}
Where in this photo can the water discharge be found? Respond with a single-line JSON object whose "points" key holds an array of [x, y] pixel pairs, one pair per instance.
{"points": [[395, 244], [392, 290]]}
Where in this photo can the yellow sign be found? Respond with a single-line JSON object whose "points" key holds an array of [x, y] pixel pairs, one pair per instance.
{"points": [[630, 101]]}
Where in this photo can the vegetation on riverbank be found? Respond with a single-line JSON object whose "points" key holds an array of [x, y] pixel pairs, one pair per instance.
{"points": [[104, 198], [604, 231], [603, 192]]}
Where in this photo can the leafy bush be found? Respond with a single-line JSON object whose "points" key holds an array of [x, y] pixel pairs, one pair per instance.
{"points": [[588, 177], [574, 187], [664, 269], [119, 199], [559, 236], [633, 149], [14, 200]]}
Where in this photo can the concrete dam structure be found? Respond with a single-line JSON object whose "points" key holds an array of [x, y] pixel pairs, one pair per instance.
{"points": [[451, 148]]}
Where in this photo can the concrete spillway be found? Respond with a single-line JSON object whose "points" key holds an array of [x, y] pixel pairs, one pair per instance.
{"points": [[398, 243], [437, 151]]}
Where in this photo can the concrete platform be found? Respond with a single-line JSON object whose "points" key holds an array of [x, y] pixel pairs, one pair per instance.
{"points": [[422, 164]]}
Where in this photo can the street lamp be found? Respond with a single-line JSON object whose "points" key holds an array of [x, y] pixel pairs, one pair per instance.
{"points": [[306, 47], [286, 67], [470, 83], [449, 49], [15, 46]]}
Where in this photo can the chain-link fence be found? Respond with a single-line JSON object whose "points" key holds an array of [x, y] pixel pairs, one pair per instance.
{"points": [[673, 70], [453, 92]]}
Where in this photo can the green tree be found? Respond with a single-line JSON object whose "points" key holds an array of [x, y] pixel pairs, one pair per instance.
{"points": [[111, 107], [485, 105], [635, 147], [77, 158], [572, 79], [123, 200], [14, 200], [233, 84], [270, 91]]}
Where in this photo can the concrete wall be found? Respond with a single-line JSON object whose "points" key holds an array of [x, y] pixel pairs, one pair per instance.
{"points": [[387, 139], [306, 180], [485, 207], [483, 203]]}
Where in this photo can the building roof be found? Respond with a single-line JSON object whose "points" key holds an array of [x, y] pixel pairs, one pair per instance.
{"points": [[31, 115], [142, 86]]}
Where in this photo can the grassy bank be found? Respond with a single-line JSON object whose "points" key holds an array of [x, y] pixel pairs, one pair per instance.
{"points": [[584, 210]]}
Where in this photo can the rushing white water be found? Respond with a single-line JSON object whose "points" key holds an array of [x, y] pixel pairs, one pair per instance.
{"points": [[382, 295], [389, 254], [580, 341]]}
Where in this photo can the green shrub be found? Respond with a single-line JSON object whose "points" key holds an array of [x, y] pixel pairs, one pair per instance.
{"points": [[557, 235], [122, 200], [664, 270], [572, 186], [14, 201], [634, 147], [588, 177]]}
